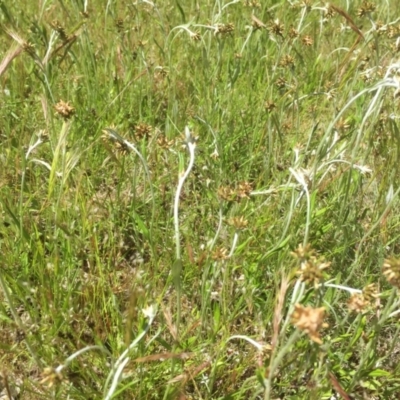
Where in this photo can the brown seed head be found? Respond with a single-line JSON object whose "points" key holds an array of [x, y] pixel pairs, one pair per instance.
{"points": [[224, 29], [391, 271], [366, 8], [357, 303], [220, 254], [276, 27], [307, 40], [269, 106], [311, 271], [64, 109], [226, 193], [309, 320], [143, 130], [371, 292], [163, 142], [293, 32], [238, 222], [244, 189]]}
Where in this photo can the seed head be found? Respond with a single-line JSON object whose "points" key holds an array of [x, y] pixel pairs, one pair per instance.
{"points": [[371, 292], [287, 61], [366, 8], [276, 27], [311, 268], [244, 189], [309, 320], [226, 193], [293, 32], [163, 142], [224, 29], [281, 82], [391, 271], [142, 130], [357, 303], [56, 25], [269, 106], [238, 222], [195, 36], [307, 40], [64, 109], [220, 254]]}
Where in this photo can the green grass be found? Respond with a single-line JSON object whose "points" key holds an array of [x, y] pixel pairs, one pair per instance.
{"points": [[193, 200]]}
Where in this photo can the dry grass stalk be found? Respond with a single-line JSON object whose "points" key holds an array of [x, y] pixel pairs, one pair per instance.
{"points": [[14, 52], [278, 312]]}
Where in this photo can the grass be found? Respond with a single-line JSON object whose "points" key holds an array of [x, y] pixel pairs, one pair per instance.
{"points": [[199, 200]]}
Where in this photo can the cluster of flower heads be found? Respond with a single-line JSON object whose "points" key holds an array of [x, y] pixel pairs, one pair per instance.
{"points": [[311, 271]]}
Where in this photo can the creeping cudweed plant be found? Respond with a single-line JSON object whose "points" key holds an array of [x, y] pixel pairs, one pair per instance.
{"points": [[199, 200]]}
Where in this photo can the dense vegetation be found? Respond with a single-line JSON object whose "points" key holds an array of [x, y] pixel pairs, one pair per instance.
{"points": [[199, 199]]}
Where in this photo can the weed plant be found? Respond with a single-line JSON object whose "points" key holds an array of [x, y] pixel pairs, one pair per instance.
{"points": [[199, 199]]}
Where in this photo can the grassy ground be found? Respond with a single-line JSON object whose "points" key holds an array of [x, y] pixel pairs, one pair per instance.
{"points": [[199, 199]]}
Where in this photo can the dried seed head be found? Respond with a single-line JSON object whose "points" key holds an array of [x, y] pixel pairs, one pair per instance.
{"points": [[269, 106], [220, 254], [371, 292], [293, 32], [380, 28], [311, 271], [342, 125], [309, 320], [224, 29], [357, 303], [304, 253], [366, 8], [392, 31], [287, 61], [56, 25], [244, 189], [391, 271], [195, 36], [238, 222], [281, 82], [226, 193], [311, 268], [28, 47], [64, 109], [121, 148], [307, 40], [276, 27], [329, 11], [163, 142], [143, 131]]}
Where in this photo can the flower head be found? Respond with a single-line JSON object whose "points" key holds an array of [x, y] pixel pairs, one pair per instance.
{"points": [[64, 109], [309, 320], [391, 270]]}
